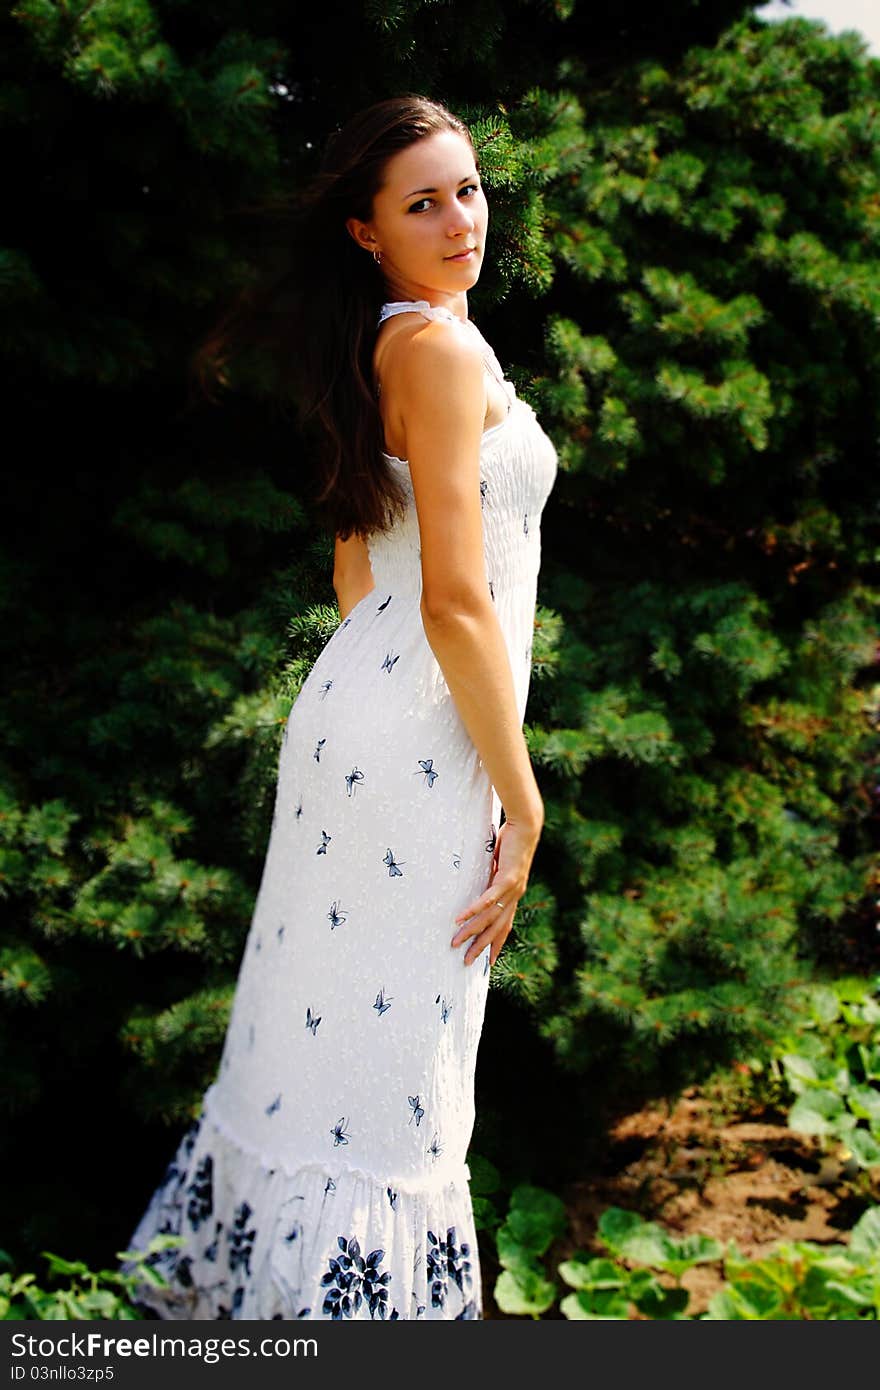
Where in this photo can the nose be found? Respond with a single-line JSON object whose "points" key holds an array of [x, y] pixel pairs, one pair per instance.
{"points": [[463, 221]]}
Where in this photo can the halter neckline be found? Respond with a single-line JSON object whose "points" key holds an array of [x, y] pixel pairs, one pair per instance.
{"points": [[397, 306]]}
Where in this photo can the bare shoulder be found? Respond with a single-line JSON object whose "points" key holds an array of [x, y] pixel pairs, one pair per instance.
{"points": [[429, 370], [440, 390], [422, 348]]}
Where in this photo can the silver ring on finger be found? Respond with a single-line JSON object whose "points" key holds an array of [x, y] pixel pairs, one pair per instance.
{"points": [[499, 904]]}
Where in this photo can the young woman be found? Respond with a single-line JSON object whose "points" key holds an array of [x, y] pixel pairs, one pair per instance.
{"points": [[325, 1176]]}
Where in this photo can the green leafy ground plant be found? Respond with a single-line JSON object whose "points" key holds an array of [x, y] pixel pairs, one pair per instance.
{"points": [[641, 1275], [88, 1295], [535, 1218], [832, 1066]]}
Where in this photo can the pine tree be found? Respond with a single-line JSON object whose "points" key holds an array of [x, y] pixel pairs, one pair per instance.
{"points": [[703, 716]]}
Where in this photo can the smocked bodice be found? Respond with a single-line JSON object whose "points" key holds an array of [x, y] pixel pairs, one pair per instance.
{"points": [[518, 465]]}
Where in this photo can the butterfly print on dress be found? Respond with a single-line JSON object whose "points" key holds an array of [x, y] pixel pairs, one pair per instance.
{"points": [[382, 1005], [525, 523], [311, 1021], [276, 1105], [352, 778], [435, 1148], [490, 843], [417, 1111], [394, 870], [325, 840], [325, 688], [337, 917], [318, 747], [383, 606], [340, 1136], [445, 1008], [389, 661], [427, 767]]}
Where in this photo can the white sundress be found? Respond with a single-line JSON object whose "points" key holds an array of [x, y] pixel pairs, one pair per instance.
{"points": [[326, 1174]]}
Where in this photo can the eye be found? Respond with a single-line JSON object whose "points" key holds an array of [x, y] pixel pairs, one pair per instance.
{"points": [[416, 207]]}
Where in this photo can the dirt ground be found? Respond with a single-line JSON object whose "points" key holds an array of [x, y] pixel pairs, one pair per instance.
{"points": [[696, 1170]]}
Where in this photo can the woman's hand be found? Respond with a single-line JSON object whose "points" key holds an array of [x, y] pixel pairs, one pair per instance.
{"points": [[484, 920]]}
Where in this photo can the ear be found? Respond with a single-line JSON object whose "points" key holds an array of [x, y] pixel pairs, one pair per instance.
{"points": [[361, 233]]}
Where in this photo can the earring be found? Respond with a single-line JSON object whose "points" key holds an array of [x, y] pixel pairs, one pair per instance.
{"points": [[377, 257]]}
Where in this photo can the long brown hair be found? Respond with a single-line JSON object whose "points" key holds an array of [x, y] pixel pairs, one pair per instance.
{"points": [[317, 318]]}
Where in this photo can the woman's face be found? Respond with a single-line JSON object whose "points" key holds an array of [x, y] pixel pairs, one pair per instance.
{"points": [[430, 207]]}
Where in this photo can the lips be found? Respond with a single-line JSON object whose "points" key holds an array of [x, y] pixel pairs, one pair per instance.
{"points": [[462, 252]]}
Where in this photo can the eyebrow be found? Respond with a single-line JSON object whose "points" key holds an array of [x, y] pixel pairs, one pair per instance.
{"points": [[468, 178]]}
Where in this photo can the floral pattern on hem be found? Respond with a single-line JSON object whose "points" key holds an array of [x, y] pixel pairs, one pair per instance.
{"points": [[260, 1243]]}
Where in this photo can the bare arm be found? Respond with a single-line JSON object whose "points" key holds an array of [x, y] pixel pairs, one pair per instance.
{"points": [[352, 573], [443, 435]]}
